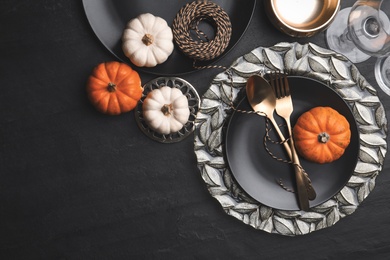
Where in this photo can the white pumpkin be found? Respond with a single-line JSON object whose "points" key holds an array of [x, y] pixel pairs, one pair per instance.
{"points": [[147, 40], [166, 110]]}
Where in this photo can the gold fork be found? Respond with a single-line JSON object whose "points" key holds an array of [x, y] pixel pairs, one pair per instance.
{"points": [[284, 108]]}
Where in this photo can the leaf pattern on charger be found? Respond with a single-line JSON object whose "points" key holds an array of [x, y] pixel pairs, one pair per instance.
{"points": [[363, 114], [308, 60], [319, 64], [273, 60], [212, 176], [284, 226], [368, 155]]}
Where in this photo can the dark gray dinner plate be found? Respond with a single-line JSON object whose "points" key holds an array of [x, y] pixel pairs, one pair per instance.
{"points": [[108, 19], [258, 173]]}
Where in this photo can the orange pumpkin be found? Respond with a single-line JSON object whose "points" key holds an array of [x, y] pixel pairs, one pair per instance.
{"points": [[321, 135], [114, 88]]}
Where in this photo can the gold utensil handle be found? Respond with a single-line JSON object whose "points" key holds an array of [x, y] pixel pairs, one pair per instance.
{"points": [[299, 175], [301, 188], [311, 192]]}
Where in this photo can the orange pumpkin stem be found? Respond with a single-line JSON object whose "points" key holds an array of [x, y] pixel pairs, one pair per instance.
{"points": [[111, 87], [147, 39], [323, 137], [166, 109]]}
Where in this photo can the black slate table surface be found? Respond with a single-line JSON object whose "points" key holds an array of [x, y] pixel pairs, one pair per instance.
{"points": [[76, 184]]}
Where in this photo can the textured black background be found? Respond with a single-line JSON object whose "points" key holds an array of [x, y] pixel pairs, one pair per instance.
{"points": [[76, 184]]}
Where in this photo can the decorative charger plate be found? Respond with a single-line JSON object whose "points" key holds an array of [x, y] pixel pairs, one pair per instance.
{"points": [[310, 61], [108, 19]]}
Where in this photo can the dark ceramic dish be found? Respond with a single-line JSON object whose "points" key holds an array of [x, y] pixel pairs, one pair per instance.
{"points": [[109, 18], [257, 172]]}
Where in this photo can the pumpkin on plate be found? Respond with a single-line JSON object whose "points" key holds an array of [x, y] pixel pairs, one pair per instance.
{"points": [[321, 135], [147, 40], [114, 88], [166, 110]]}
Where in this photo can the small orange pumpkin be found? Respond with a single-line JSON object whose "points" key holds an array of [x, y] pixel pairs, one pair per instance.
{"points": [[114, 88], [321, 135]]}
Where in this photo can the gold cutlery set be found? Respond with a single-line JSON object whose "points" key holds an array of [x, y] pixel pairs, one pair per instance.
{"points": [[275, 96]]}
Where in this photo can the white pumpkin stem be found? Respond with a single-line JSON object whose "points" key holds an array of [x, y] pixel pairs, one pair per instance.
{"points": [[323, 137], [167, 109], [147, 39], [111, 87]]}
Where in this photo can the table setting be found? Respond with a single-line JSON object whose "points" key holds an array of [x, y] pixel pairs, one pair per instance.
{"points": [[201, 129]]}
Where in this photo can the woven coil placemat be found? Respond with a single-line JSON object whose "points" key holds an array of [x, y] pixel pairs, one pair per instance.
{"points": [[188, 19]]}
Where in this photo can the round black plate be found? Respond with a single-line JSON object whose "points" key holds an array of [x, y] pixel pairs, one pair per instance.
{"points": [[109, 18], [257, 172]]}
